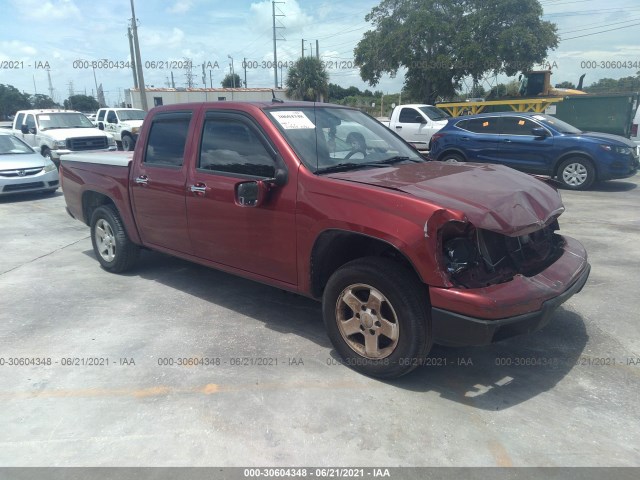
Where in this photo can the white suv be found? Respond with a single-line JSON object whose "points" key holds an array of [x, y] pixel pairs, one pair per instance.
{"points": [[56, 132]]}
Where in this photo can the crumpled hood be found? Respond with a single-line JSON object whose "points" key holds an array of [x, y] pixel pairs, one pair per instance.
{"points": [[64, 133], [492, 197]]}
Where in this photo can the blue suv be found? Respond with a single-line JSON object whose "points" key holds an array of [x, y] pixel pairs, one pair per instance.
{"points": [[536, 143]]}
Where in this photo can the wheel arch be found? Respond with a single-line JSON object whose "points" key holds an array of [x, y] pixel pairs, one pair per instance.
{"points": [[450, 151], [568, 155], [334, 248], [92, 200]]}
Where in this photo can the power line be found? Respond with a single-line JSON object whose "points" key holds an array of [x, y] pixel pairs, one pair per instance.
{"points": [[597, 33]]}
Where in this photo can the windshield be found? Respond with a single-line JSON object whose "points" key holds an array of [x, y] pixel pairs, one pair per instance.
{"points": [[325, 138], [10, 145], [63, 120], [131, 114], [434, 113], [558, 125]]}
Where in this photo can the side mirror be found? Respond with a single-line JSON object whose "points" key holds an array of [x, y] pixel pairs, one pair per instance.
{"points": [[251, 194], [24, 129], [420, 119], [539, 132]]}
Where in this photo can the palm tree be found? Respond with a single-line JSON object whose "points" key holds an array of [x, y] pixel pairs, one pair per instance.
{"points": [[307, 80]]}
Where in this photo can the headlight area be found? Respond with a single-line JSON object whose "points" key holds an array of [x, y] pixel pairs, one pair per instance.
{"points": [[476, 258]]}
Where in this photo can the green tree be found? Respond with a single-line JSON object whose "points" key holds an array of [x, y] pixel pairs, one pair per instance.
{"points": [[231, 80], [12, 100], [565, 84], [610, 85], [81, 103], [439, 42], [42, 101], [308, 80]]}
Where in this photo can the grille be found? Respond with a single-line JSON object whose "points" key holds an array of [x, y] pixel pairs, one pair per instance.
{"points": [[17, 172], [23, 186], [87, 143]]}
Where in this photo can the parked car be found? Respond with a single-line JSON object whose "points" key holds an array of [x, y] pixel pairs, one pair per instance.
{"points": [[635, 134], [324, 201], [22, 169], [536, 143]]}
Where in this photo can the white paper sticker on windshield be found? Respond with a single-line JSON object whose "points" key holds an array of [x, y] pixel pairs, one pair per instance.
{"points": [[44, 117], [293, 120], [538, 117]]}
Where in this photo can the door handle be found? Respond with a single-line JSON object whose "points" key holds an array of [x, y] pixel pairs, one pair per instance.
{"points": [[398, 126], [200, 189], [506, 140], [466, 139], [142, 180]]}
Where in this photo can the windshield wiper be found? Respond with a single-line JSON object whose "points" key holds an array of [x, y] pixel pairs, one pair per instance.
{"points": [[399, 158], [340, 167]]}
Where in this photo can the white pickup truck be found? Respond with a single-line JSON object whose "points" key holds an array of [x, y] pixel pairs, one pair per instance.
{"points": [[56, 132], [416, 123], [123, 123]]}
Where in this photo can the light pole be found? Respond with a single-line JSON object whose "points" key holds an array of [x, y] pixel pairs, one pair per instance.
{"points": [[233, 76]]}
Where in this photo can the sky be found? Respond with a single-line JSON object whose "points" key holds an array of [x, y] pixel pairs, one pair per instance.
{"points": [[599, 38]]}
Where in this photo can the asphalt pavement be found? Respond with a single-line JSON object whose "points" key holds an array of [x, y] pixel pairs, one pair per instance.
{"points": [[175, 364]]}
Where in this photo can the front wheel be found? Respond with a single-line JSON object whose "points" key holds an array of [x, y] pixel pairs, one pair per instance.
{"points": [[115, 252], [127, 143], [452, 158], [576, 173], [375, 312]]}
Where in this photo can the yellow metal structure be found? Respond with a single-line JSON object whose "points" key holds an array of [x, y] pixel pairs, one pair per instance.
{"points": [[517, 105]]}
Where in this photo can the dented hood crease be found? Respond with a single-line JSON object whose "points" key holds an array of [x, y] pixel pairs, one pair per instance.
{"points": [[492, 197]]}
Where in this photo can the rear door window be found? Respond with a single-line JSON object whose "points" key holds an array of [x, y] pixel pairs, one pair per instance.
{"points": [[167, 139], [479, 125], [409, 115], [516, 126]]}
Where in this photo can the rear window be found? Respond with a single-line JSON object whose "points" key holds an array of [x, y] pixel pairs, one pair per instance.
{"points": [[479, 125], [167, 139]]}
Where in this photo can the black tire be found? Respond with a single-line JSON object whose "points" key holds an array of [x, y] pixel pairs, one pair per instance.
{"points": [[127, 143], [402, 302], [452, 158], [576, 173], [111, 245]]}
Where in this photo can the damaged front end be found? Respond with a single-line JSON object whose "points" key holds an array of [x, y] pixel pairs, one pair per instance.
{"points": [[475, 257]]}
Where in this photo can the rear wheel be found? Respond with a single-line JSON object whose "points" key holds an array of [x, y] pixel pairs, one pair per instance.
{"points": [[115, 252], [576, 173], [375, 312]]}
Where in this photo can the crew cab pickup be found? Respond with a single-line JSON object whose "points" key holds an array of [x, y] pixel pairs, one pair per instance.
{"points": [[324, 201], [417, 123], [123, 123], [56, 132]]}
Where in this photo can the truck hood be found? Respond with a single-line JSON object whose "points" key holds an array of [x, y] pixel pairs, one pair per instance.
{"points": [[492, 197], [64, 133], [131, 123]]}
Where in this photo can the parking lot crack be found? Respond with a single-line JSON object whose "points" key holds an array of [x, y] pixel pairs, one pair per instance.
{"points": [[43, 256]]}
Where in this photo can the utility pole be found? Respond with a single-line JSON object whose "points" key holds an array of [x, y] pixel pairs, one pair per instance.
{"points": [[244, 62], [317, 50], [50, 84], [96, 82], [136, 45], [133, 58], [173, 82], [303, 49], [275, 54]]}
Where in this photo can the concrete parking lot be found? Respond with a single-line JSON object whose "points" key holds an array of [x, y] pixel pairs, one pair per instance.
{"points": [[107, 388]]}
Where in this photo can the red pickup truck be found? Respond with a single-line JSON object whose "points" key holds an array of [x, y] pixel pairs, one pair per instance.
{"points": [[324, 201]]}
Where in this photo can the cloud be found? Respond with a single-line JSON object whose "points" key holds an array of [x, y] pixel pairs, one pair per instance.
{"points": [[150, 39], [181, 6], [48, 10], [288, 15], [14, 47]]}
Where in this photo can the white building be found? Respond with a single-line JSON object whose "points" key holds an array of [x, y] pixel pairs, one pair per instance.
{"points": [[169, 96]]}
